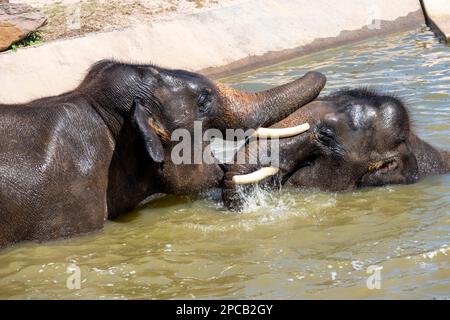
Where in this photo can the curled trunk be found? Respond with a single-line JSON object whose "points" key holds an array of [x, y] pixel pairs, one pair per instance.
{"points": [[233, 193], [254, 110]]}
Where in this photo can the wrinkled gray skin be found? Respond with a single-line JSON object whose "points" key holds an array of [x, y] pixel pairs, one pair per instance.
{"points": [[67, 163], [358, 138]]}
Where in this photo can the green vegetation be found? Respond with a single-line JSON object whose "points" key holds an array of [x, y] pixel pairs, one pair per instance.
{"points": [[31, 39]]}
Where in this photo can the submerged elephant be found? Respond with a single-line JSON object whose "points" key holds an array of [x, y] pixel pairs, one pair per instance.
{"points": [[69, 162], [358, 138]]}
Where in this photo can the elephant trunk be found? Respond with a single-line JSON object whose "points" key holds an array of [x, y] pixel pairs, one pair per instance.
{"points": [[430, 160], [445, 155], [254, 110]]}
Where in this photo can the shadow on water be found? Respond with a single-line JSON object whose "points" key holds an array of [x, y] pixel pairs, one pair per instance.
{"points": [[159, 201]]}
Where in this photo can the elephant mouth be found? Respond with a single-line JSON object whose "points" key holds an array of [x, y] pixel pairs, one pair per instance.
{"points": [[283, 168], [295, 148]]}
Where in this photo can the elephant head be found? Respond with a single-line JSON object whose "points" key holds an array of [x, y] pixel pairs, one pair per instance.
{"points": [[143, 105], [358, 138]]}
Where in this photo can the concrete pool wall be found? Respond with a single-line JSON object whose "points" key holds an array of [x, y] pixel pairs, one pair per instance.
{"points": [[437, 16], [244, 35]]}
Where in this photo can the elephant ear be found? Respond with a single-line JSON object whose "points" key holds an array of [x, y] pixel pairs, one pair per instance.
{"points": [[141, 120]]}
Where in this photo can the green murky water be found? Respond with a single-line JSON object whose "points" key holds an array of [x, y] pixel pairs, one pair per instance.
{"points": [[297, 244]]}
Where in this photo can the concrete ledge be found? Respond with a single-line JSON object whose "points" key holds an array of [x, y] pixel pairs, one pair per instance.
{"points": [[248, 34], [412, 20], [437, 14]]}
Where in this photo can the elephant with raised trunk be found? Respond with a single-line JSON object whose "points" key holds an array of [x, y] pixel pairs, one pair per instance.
{"points": [[357, 138], [69, 162]]}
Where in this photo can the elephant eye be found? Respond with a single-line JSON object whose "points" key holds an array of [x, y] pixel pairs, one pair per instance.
{"points": [[204, 102], [326, 135]]}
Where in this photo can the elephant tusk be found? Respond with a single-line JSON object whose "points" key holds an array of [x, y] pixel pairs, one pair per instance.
{"points": [[256, 176], [281, 132]]}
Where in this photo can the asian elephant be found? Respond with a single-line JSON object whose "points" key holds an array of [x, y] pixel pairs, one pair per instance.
{"points": [[357, 138], [69, 162]]}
